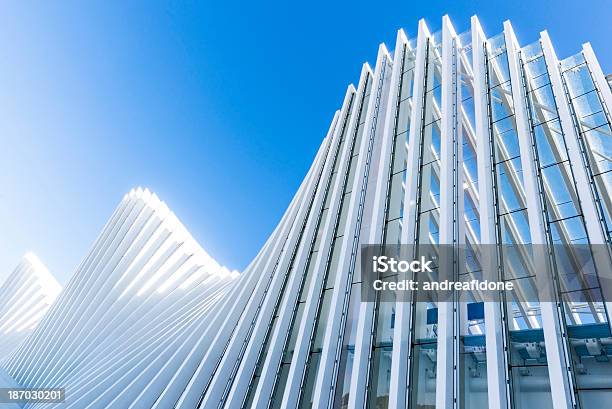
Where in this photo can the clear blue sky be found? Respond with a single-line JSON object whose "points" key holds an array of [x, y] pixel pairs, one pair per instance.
{"points": [[217, 106]]}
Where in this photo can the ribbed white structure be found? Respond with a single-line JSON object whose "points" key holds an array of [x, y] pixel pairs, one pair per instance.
{"points": [[129, 314], [455, 139], [25, 297]]}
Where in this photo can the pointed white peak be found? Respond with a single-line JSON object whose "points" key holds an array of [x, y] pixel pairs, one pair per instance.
{"points": [[31, 272], [38, 269], [185, 262], [25, 297]]}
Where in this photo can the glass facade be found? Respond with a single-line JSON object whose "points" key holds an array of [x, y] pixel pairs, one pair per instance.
{"points": [[331, 266], [463, 141], [472, 345], [384, 312], [466, 140]]}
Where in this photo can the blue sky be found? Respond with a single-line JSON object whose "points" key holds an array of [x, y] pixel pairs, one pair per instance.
{"points": [[218, 107]]}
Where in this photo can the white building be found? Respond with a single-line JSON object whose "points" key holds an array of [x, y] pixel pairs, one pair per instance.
{"points": [[462, 139]]}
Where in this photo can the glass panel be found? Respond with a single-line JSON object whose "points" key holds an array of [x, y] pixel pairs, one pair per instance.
{"points": [[542, 105], [400, 153], [423, 376], [380, 378], [526, 392], [501, 102], [587, 104], [430, 184], [510, 182], [599, 143], [386, 318], [396, 199], [578, 80], [568, 231], [403, 119], [306, 399], [344, 213], [431, 142], [288, 355], [550, 143], [406, 91], [310, 274], [514, 228], [393, 233], [470, 163], [334, 264], [572, 61], [507, 144], [594, 120], [322, 323], [499, 71], [473, 361], [277, 398], [560, 192], [536, 67]]}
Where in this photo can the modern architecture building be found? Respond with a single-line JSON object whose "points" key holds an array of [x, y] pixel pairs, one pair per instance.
{"points": [[460, 139]]}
